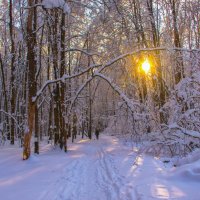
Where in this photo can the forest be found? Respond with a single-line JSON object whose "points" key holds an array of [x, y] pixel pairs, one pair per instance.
{"points": [[99, 99], [127, 67]]}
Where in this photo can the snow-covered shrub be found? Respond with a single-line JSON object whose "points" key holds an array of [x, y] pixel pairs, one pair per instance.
{"points": [[181, 133]]}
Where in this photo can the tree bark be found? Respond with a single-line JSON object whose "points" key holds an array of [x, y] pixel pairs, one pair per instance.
{"points": [[13, 90], [4, 89], [62, 90], [179, 71], [31, 66]]}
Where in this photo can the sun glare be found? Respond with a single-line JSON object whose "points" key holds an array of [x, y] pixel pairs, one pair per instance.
{"points": [[146, 66]]}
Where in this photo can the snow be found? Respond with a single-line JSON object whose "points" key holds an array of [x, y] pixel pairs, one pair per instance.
{"points": [[50, 4], [106, 169], [187, 132]]}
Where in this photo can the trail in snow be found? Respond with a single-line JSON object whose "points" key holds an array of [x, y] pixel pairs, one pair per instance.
{"points": [[91, 175], [92, 170]]}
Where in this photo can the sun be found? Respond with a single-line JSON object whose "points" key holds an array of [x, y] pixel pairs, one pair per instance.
{"points": [[146, 66]]}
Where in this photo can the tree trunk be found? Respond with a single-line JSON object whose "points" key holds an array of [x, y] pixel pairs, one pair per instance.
{"points": [[31, 66], [13, 92], [36, 148], [62, 90], [179, 71], [4, 91]]}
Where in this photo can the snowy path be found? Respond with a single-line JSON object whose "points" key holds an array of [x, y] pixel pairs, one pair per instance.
{"points": [[92, 176], [91, 170]]}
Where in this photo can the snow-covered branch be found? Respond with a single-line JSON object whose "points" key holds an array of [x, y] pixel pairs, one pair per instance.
{"points": [[82, 51], [62, 79], [15, 120]]}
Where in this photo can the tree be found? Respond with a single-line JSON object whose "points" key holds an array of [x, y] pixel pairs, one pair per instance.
{"points": [[31, 68]]}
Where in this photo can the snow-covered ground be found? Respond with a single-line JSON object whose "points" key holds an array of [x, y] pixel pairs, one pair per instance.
{"points": [[94, 170]]}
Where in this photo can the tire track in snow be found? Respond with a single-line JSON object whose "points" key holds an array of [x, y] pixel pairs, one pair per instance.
{"points": [[56, 190], [93, 176], [102, 180], [74, 183], [109, 178]]}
